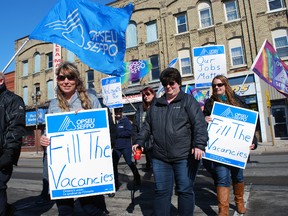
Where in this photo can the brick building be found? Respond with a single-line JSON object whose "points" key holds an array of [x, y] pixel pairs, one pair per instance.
{"points": [[163, 30]]}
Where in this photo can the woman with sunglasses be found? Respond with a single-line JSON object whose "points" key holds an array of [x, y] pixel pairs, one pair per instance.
{"points": [[148, 95], [71, 95], [221, 173], [179, 132]]}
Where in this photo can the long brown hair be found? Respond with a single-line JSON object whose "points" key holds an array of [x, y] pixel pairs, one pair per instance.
{"points": [[228, 92], [144, 91], [69, 68]]}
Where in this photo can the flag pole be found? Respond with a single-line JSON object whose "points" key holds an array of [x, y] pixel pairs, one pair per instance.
{"points": [[129, 101], [15, 55]]}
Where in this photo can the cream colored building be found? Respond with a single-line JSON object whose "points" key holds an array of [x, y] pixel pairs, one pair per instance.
{"points": [[163, 30]]}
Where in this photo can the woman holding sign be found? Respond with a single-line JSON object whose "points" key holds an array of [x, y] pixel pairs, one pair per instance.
{"points": [[221, 173], [72, 96]]}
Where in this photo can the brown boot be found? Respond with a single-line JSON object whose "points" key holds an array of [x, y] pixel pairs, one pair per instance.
{"points": [[239, 197], [223, 200]]}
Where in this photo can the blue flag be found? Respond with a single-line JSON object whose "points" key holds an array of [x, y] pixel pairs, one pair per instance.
{"points": [[94, 32]]}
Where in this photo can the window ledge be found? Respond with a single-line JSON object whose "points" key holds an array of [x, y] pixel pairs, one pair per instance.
{"points": [[238, 66]]}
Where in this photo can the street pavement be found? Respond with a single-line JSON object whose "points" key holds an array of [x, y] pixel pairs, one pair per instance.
{"points": [[23, 193]]}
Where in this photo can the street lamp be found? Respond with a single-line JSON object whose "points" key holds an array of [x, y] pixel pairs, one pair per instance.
{"points": [[36, 97]]}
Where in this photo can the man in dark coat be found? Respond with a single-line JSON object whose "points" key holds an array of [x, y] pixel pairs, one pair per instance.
{"points": [[12, 129]]}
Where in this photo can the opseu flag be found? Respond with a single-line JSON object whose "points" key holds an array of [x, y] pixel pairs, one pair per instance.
{"points": [[94, 32], [135, 70], [269, 67]]}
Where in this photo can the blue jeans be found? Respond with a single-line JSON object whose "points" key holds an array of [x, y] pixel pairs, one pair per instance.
{"points": [[223, 174], [184, 173]]}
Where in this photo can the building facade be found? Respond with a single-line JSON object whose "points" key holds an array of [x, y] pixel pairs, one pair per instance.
{"points": [[163, 30]]}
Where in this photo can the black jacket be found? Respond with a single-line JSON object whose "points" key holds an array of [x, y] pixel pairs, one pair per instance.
{"points": [[176, 128], [12, 126]]}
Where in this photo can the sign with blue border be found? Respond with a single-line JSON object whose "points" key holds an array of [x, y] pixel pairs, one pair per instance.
{"points": [[112, 92], [231, 132], [79, 154], [208, 62]]}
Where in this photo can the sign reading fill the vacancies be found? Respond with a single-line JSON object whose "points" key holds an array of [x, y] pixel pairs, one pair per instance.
{"points": [[112, 92], [79, 154], [208, 62], [231, 133]]}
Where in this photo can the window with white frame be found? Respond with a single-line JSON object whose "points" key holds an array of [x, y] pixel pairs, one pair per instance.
{"points": [[205, 17], [151, 31], [90, 79], [37, 62], [236, 52], [231, 10], [49, 60], [280, 40], [181, 23], [25, 95], [155, 71], [185, 62], [275, 4], [50, 89], [25, 68], [70, 56], [131, 35]]}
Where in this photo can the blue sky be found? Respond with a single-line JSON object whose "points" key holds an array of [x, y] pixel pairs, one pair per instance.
{"points": [[18, 18]]}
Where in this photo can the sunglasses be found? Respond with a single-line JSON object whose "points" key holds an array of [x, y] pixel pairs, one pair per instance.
{"points": [[218, 85], [69, 77], [172, 83]]}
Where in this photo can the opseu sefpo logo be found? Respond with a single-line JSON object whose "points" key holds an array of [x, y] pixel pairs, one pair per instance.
{"points": [[87, 123]]}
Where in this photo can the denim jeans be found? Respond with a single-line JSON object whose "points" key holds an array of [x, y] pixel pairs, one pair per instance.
{"points": [[184, 173], [223, 174]]}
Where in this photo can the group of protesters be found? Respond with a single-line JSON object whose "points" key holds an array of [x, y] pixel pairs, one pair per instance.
{"points": [[172, 133]]}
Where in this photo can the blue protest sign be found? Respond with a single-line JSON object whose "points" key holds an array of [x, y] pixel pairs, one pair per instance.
{"points": [[208, 62], [79, 154], [231, 133]]}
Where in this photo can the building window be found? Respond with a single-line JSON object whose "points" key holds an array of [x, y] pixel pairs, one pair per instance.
{"points": [[280, 39], [231, 10], [151, 32], [90, 79], [185, 62], [275, 4], [131, 34], [70, 56], [25, 95], [37, 62], [36, 88], [181, 23], [25, 68], [50, 89], [155, 71], [49, 60], [236, 52], [205, 15]]}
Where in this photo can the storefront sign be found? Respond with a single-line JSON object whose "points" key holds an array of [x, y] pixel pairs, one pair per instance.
{"points": [[31, 117]]}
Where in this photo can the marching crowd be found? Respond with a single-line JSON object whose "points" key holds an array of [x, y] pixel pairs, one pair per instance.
{"points": [[171, 130]]}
